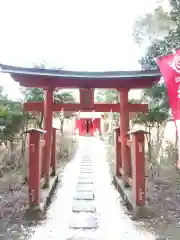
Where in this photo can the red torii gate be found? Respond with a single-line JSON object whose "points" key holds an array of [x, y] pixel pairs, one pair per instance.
{"points": [[51, 79], [97, 107]]}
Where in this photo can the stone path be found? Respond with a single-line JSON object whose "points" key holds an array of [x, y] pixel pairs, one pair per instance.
{"points": [[84, 215], [85, 204], [96, 210]]}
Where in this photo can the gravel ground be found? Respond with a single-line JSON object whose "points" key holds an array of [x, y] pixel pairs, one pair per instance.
{"points": [[163, 199], [13, 203]]}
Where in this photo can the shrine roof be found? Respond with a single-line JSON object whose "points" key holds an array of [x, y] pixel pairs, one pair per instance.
{"points": [[38, 77], [78, 74]]}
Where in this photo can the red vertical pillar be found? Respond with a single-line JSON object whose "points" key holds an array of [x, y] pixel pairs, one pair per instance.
{"points": [[93, 126], [42, 144], [138, 164], [98, 124], [34, 167], [118, 151], [124, 128], [80, 127], [48, 115], [53, 153]]}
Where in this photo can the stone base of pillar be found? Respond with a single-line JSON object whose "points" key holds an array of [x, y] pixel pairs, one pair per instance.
{"points": [[53, 174], [126, 193], [35, 213], [47, 183]]}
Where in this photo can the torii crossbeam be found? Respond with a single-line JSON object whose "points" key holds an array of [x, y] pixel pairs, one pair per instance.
{"points": [[97, 107]]}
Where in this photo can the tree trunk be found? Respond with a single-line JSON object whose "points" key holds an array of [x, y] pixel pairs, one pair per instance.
{"points": [[176, 147], [40, 122], [149, 145], [62, 126]]}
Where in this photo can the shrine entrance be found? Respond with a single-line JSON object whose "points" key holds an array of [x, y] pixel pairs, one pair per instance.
{"points": [[130, 156], [88, 126]]}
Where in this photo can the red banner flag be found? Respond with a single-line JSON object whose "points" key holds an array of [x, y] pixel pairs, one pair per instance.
{"points": [[170, 68]]}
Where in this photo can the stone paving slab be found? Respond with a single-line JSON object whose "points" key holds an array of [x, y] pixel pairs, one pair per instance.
{"points": [[85, 170], [86, 160], [82, 238], [85, 181], [78, 234], [83, 221], [86, 175], [84, 190], [83, 206], [84, 195], [85, 187], [87, 166]]}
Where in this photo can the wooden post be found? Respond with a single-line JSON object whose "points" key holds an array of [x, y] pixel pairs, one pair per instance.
{"points": [[48, 114], [138, 166], [91, 127], [118, 151], [124, 128], [34, 166], [53, 153], [86, 98]]}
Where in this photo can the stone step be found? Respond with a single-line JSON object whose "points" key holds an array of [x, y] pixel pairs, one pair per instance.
{"points": [[85, 181], [83, 221], [86, 165], [88, 234], [83, 206], [86, 175], [85, 187], [86, 171], [84, 195]]}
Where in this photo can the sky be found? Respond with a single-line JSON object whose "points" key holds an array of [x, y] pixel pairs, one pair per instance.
{"points": [[75, 35]]}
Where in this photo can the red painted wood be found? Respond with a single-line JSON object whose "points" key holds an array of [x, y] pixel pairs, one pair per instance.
{"points": [[98, 107], [118, 151], [91, 129], [34, 168], [96, 124], [65, 82], [53, 153], [124, 128], [82, 125], [42, 144], [48, 115], [87, 98], [138, 163]]}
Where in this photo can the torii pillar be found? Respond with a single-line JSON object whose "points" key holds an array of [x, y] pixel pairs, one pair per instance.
{"points": [[124, 128], [48, 115]]}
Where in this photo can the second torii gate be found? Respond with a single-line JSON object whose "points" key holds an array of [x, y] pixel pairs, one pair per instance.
{"points": [[49, 79], [87, 105]]}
